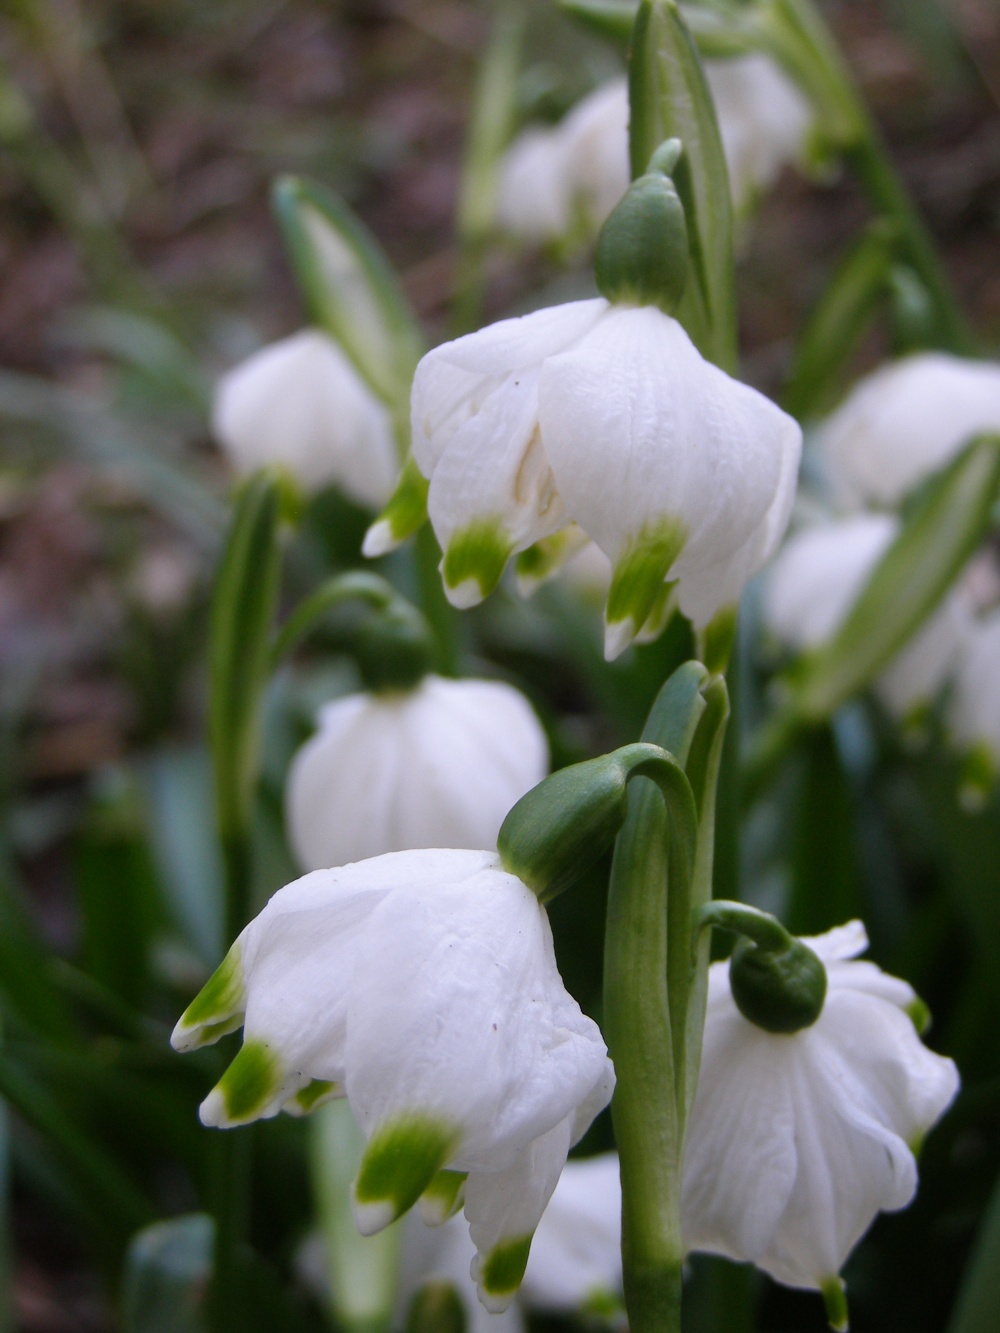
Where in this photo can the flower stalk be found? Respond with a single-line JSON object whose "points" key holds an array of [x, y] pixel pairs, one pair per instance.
{"points": [[657, 865]]}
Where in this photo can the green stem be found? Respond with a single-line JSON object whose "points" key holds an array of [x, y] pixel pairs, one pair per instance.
{"points": [[355, 586], [651, 853], [434, 604], [231, 1190]]}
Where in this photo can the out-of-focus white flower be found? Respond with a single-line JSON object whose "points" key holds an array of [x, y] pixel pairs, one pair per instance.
{"points": [[974, 707], [576, 1256], [904, 421], [764, 122], [796, 1141], [300, 403], [578, 169], [607, 416], [552, 176], [423, 986], [575, 1261], [815, 581], [436, 766]]}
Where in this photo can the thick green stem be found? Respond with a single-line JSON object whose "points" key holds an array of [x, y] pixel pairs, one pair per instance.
{"points": [[651, 854]]}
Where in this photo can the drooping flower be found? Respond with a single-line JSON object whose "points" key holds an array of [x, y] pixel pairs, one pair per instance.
{"points": [[423, 986], [436, 766], [816, 579], [606, 416], [904, 422], [554, 176], [300, 403], [578, 169], [797, 1140], [764, 122]]}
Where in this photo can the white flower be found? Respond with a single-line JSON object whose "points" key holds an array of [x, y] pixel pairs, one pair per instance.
{"points": [[764, 122], [974, 707], [815, 581], [300, 402], [436, 766], [575, 1260], [576, 1256], [906, 420], [608, 416], [796, 1141], [423, 986], [550, 176]]}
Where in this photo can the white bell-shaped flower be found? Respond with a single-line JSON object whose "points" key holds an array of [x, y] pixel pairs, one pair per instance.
{"points": [[301, 404], [436, 766], [796, 1141], [973, 717], [423, 986], [606, 416], [764, 122], [904, 422], [816, 579]]}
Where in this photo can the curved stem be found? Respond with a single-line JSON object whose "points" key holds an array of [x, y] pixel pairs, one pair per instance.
{"points": [[356, 586], [765, 930], [653, 860]]}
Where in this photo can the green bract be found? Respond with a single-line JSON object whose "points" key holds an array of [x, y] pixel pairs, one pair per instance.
{"points": [[642, 251]]}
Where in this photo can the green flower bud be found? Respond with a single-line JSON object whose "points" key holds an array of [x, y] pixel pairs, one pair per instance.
{"points": [[778, 983], [780, 990], [642, 251], [554, 832], [394, 648]]}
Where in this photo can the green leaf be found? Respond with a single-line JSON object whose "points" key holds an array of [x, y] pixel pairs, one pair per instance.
{"points": [[117, 889], [613, 19], [839, 320], [349, 287], [95, 1174], [178, 791], [243, 610], [490, 126], [938, 536], [167, 1268], [669, 98], [979, 1295]]}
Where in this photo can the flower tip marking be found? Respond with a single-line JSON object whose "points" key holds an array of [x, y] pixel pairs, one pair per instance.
{"points": [[464, 595], [379, 539], [617, 637], [835, 1300], [372, 1217], [212, 1112]]}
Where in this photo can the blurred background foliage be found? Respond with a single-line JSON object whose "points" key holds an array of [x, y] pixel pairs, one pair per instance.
{"points": [[139, 260]]}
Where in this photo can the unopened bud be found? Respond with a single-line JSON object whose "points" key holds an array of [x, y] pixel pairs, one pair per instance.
{"points": [[642, 251], [554, 832]]}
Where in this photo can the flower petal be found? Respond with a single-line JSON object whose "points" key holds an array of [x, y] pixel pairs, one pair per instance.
{"points": [[503, 1209], [464, 1017]]}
